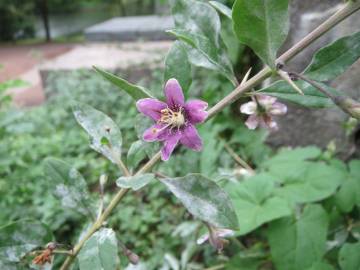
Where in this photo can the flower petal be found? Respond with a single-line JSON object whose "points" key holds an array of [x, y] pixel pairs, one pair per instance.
{"points": [[266, 101], [191, 139], [202, 239], [252, 122], [174, 94], [151, 107], [268, 122], [278, 109], [195, 110], [169, 145], [154, 133], [249, 107]]}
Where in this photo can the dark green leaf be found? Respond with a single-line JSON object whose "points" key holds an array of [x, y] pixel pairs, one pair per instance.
{"points": [[68, 185], [312, 97], [349, 258], [19, 238], [135, 182], [223, 9], [99, 126], [316, 181], [290, 163], [204, 199], [334, 59], [255, 203], [198, 24], [298, 243], [202, 53], [136, 92], [177, 65], [100, 252], [136, 153], [262, 25], [321, 266]]}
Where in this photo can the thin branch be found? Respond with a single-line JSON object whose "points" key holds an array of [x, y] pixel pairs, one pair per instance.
{"points": [[238, 159]]}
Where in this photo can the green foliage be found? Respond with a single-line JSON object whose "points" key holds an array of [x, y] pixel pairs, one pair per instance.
{"points": [[19, 238], [198, 25], [177, 66], [100, 252], [298, 242], [334, 59], [68, 185], [16, 20], [256, 203], [136, 92], [312, 98], [262, 25], [204, 199], [135, 182], [105, 136]]}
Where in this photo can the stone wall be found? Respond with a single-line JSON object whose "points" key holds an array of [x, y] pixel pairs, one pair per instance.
{"points": [[304, 126]]}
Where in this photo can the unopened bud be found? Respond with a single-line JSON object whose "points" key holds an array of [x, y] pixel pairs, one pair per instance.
{"points": [[349, 106], [51, 245], [133, 257]]}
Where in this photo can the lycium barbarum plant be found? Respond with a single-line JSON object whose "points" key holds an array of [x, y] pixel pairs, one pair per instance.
{"points": [[230, 209]]}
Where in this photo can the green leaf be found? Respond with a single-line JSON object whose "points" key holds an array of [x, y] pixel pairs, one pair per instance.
{"points": [[349, 258], [290, 163], [136, 92], [321, 266], [135, 182], [223, 9], [99, 126], [68, 185], [100, 252], [19, 238], [334, 59], [255, 203], [204, 199], [262, 25], [297, 243], [316, 182], [198, 25], [136, 153], [204, 54], [312, 98], [177, 66], [237, 262]]}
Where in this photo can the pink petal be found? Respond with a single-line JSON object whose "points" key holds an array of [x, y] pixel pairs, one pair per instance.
{"points": [[154, 133], [249, 107], [151, 107], [252, 122], [191, 139], [268, 123], [266, 101], [195, 110], [202, 239], [174, 94], [169, 145], [278, 109]]}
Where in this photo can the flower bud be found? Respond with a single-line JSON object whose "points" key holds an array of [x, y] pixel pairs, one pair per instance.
{"points": [[349, 106], [133, 257]]}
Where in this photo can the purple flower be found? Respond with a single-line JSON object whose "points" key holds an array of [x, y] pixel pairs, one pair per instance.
{"points": [[261, 110], [175, 119]]}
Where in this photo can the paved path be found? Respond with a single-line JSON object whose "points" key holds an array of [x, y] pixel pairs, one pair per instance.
{"points": [[21, 61], [26, 62]]}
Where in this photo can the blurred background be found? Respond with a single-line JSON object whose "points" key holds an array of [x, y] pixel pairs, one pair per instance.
{"points": [[47, 50]]}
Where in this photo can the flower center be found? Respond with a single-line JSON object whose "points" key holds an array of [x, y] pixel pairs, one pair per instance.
{"points": [[174, 119]]}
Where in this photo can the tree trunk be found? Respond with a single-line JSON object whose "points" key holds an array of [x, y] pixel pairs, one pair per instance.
{"points": [[45, 17]]}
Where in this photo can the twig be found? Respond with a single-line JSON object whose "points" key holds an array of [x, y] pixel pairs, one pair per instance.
{"points": [[238, 159]]}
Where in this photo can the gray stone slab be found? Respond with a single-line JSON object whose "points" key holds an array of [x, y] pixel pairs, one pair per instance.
{"points": [[131, 28]]}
